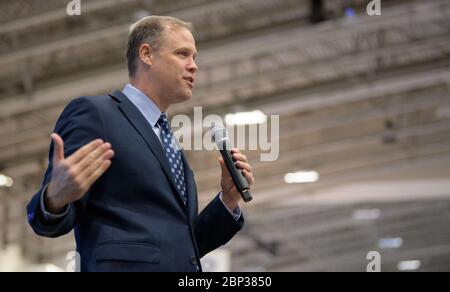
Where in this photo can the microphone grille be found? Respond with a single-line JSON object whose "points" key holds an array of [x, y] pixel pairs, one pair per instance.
{"points": [[218, 132]]}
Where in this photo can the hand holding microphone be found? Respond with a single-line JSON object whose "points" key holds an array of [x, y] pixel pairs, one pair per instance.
{"points": [[237, 176]]}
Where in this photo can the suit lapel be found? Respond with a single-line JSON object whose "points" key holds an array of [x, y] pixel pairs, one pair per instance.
{"points": [[143, 128], [191, 191]]}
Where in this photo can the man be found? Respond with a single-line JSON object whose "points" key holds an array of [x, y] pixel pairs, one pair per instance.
{"points": [[116, 177]]}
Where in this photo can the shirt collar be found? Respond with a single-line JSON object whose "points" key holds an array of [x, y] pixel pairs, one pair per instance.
{"points": [[144, 103]]}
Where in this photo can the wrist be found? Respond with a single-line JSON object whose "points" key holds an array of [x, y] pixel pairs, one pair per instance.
{"points": [[52, 204], [230, 202]]}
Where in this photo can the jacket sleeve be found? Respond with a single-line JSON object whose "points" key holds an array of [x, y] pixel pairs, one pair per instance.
{"points": [[215, 227], [79, 124]]}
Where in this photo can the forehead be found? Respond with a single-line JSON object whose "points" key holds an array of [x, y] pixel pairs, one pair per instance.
{"points": [[175, 37]]}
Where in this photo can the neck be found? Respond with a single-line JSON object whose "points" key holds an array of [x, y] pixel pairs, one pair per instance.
{"points": [[150, 92]]}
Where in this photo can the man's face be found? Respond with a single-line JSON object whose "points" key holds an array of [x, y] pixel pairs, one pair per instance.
{"points": [[173, 68]]}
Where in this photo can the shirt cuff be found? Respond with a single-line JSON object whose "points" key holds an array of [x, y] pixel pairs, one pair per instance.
{"points": [[50, 216], [237, 213]]}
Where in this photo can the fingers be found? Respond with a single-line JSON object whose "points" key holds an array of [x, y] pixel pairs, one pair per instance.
{"points": [[73, 176], [90, 162], [84, 151], [92, 156], [98, 172], [58, 152], [249, 177], [241, 160], [246, 169], [93, 166], [244, 166], [223, 166], [221, 162], [242, 163], [239, 156]]}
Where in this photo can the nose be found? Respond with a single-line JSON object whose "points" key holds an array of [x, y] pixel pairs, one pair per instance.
{"points": [[192, 66]]}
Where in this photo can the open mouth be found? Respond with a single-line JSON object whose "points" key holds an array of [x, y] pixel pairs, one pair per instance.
{"points": [[189, 81]]}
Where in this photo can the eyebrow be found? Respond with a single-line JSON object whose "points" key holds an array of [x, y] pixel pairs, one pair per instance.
{"points": [[187, 49]]}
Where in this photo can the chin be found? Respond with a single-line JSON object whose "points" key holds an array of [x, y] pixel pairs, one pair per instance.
{"points": [[187, 98], [184, 97]]}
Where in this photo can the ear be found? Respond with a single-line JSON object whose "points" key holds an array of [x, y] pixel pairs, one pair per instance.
{"points": [[146, 54]]}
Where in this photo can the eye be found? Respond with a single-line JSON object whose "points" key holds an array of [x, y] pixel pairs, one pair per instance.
{"points": [[183, 53]]}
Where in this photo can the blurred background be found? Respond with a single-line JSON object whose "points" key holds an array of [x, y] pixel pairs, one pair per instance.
{"points": [[364, 106]]}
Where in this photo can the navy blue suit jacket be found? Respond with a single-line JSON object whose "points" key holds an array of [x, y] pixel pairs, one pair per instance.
{"points": [[132, 218]]}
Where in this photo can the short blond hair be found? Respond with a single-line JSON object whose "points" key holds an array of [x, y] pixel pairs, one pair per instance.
{"points": [[149, 30]]}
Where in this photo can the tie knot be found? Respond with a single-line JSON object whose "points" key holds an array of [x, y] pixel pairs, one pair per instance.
{"points": [[163, 121]]}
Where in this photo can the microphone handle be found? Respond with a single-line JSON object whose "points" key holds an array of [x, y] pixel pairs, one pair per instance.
{"points": [[236, 173]]}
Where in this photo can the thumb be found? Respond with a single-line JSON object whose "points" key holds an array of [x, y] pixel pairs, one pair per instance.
{"points": [[58, 151], [223, 166]]}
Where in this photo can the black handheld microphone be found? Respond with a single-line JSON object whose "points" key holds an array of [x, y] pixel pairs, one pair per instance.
{"points": [[220, 137]]}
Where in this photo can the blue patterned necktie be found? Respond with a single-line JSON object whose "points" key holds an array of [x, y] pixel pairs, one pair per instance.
{"points": [[173, 156]]}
